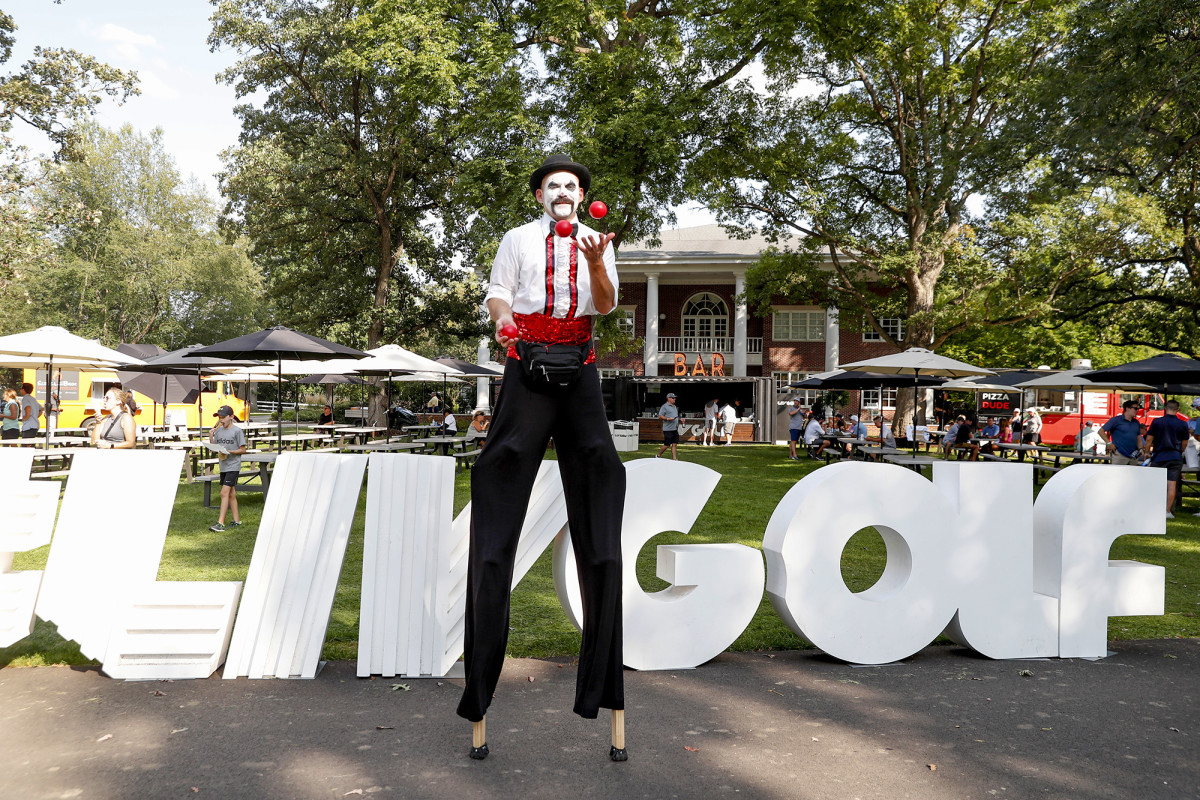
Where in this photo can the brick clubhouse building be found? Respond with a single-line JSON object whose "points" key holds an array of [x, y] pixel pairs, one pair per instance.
{"points": [[679, 297]]}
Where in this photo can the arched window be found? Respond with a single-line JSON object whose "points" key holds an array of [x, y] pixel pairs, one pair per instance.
{"points": [[705, 323]]}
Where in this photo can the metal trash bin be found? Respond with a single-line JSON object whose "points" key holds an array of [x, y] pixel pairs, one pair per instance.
{"points": [[624, 435]]}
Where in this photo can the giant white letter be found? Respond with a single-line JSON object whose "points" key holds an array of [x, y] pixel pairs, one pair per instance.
{"points": [[912, 601], [999, 613], [716, 588], [1078, 514]]}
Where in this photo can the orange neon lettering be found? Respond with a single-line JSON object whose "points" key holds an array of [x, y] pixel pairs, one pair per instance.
{"points": [[680, 365], [698, 367], [718, 365]]}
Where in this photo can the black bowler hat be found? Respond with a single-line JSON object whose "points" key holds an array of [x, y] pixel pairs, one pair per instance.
{"points": [[560, 162]]}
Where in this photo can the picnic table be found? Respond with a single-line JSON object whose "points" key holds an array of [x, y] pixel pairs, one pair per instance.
{"points": [[383, 447], [915, 463], [265, 462], [360, 433], [1075, 455], [442, 442], [1022, 449], [301, 440], [191, 463]]}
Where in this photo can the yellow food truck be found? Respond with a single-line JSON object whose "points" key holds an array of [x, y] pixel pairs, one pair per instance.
{"points": [[81, 399]]}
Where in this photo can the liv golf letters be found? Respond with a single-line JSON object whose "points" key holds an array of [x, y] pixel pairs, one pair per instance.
{"points": [[969, 554]]}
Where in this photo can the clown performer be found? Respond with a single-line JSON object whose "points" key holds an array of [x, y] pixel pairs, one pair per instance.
{"points": [[539, 286]]}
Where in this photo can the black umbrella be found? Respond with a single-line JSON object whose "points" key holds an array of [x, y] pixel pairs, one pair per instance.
{"points": [[182, 362], [1157, 371], [328, 380], [868, 380], [467, 369], [278, 343]]}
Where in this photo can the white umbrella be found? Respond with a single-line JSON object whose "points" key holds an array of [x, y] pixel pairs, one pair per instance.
{"points": [[917, 361], [386, 360], [425, 377], [51, 343]]}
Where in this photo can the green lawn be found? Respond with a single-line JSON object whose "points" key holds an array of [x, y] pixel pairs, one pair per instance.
{"points": [[755, 477]]}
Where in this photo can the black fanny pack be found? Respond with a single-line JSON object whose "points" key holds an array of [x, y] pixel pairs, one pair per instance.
{"points": [[553, 364]]}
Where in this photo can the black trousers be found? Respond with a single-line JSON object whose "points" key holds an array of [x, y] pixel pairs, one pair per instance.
{"points": [[593, 479]]}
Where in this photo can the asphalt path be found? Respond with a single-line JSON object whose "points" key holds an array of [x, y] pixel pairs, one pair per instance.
{"points": [[796, 725]]}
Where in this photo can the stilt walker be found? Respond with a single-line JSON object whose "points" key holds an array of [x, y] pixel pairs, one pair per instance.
{"points": [[542, 300]]}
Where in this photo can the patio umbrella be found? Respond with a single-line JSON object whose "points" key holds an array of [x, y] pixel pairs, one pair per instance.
{"points": [[1004, 382], [49, 343], [161, 386], [386, 361], [1073, 380], [279, 342], [915, 362], [841, 379], [1158, 371], [182, 362], [328, 380]]}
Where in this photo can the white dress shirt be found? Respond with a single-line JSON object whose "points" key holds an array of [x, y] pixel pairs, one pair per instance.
{"points": [[519, 271]]}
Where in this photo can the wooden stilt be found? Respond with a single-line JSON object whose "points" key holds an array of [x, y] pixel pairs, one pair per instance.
{"points": [[617, 752], [479, 748]]}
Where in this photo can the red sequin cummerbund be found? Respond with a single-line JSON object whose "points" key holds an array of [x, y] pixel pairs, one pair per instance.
{"points": [[544, 329]]}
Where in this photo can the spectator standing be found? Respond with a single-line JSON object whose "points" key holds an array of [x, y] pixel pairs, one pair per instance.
{"points": [[711, 412], [53, 409], [31, 412], [233, 439], [795, 427], [1166, 438], [1014, 425], [1031, 427], [11, 416], [116, 431], [729, 419], [669, 415], [1123, 432]]}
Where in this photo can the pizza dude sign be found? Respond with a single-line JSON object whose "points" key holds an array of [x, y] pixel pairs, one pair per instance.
{"points": [[969, 554]]}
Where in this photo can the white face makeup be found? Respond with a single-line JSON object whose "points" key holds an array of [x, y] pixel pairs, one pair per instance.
{"points": [[561, 195]]}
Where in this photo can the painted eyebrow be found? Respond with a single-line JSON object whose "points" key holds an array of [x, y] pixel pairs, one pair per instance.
{"points": [[556, 184]]}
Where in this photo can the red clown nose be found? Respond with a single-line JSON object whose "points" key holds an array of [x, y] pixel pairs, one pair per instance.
{"points": [[563, 228]]}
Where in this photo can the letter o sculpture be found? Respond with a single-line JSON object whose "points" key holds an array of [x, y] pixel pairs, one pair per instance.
{"points": [[913, 600]]}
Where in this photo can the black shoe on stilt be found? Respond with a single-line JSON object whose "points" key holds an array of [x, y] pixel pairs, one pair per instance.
{"points": [[618, 754], [479, 753]]}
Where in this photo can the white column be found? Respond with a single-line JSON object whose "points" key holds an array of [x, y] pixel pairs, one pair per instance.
{"points": [[651, 323], [482, 395], [832, 334], [739, 324]]}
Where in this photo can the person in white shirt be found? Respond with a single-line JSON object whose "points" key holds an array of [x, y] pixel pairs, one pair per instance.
{"points": [[728, 421], [814, 433], [710, 422], [449, 426], [547, 287]]}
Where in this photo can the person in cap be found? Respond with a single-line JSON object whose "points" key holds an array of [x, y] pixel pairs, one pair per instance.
{"points": [[669, 414], [231, 441], [1123, 432], [550, 288], [1166, 439]]}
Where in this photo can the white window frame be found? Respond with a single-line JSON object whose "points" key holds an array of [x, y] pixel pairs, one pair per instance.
{"points": [[870, 398], [813, 325], [627, 319], [893, 325], [720, 321], [781, 381], [614, 372]]}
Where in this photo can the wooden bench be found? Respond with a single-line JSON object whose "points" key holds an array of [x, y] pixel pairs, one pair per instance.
{"points": [[58, 473]]}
